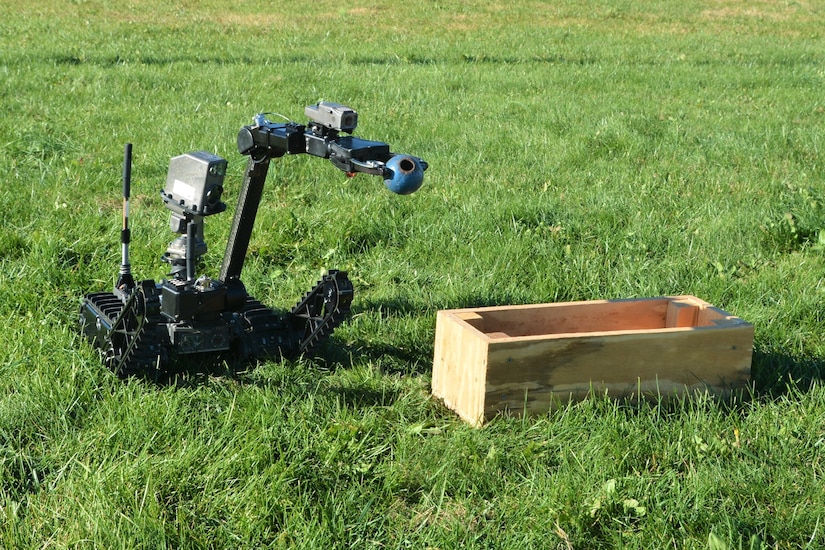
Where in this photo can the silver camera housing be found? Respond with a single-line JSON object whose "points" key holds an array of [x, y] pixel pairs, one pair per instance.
{"points": [[333, 116], [194, 184]]}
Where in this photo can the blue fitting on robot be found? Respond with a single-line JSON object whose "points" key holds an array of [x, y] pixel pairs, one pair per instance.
{"points": [[403, 174]]}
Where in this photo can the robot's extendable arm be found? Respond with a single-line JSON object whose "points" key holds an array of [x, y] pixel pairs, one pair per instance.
{"points": [[321, 137]]}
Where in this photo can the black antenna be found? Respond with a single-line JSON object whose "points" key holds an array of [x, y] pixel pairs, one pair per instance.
{"points": [[125, 280]]}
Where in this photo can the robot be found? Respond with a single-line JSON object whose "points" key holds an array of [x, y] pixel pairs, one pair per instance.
{"points": [[141, 328]]}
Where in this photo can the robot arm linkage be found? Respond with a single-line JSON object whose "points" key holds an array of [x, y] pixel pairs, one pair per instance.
{"points": [[264, 140]]}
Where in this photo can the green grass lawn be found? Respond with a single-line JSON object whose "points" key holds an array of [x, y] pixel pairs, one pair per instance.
{"points": [[578, 151]]}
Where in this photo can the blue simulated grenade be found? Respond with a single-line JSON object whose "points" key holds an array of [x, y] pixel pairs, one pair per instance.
{"points": [[404, 174]]}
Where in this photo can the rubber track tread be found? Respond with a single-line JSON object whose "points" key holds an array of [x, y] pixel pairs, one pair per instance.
{"points": [[323, 314]]}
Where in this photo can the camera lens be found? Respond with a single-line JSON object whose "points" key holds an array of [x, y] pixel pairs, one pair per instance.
{"points": [[218, 169], [213, 196]]}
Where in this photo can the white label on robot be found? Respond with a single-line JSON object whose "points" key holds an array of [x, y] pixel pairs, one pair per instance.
{"points": [[184, 190]]}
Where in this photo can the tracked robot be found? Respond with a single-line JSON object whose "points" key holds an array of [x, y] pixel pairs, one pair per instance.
{"points": [[143, 327]]}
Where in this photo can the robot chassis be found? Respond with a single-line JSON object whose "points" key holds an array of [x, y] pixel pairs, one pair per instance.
{"points": [[141, 328]]}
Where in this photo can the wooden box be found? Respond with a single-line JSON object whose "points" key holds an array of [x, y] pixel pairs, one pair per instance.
{"points": [[523, 359]]}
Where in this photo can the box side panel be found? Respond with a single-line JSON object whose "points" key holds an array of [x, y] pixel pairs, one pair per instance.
{"points": [[533, 375], [576, 317], [460, 367]]}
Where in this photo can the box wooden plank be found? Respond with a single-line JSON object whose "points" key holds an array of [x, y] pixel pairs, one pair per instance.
{"points": [[525, 359], [457, 344]]}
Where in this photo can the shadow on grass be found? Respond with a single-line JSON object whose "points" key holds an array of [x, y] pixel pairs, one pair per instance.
{"points": [[775, 373], [405, 355], [360, 397], [396, 359], [334, 355], [189, 373], [293, 378]]}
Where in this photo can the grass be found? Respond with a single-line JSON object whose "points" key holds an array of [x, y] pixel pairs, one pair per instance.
{"points": [[578, 151]]}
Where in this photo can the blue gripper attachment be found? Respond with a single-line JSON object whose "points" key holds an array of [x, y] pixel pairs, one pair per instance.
{"points": [[404, 174]]}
